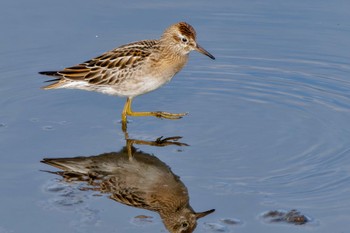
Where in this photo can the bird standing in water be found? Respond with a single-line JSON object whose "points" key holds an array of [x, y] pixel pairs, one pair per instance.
{"points": [[133, 69]]}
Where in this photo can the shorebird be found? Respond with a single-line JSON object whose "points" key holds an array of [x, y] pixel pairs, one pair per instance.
{"points": [[133, 69], [144, 182]]}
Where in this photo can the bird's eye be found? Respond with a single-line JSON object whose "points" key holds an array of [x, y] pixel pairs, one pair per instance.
{"points": [[184, 225], [183, 39]]}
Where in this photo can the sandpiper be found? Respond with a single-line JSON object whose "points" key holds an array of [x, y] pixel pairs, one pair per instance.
{"points": [[133, 69], [143, 182]]}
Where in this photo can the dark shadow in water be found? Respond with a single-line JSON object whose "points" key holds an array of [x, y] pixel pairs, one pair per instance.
{"points": [[135, 178], [280, 216]]}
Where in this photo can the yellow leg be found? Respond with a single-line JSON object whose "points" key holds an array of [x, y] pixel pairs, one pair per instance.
{"points": [[127, 111]]}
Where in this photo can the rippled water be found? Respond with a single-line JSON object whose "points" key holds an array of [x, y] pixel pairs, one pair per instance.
{"points": [[268, 125]]}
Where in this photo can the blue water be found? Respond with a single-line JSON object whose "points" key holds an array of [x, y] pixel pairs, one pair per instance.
{"points": [[268, 125]]}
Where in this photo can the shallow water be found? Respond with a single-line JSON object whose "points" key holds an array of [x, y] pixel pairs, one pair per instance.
{"points": [[268, 125]]}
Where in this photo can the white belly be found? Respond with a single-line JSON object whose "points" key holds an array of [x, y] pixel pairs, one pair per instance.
{"points": [[128, 88]]}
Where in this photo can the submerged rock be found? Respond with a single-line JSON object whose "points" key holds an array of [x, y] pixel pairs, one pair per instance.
{"points": [[231, 221], [292, 216]]}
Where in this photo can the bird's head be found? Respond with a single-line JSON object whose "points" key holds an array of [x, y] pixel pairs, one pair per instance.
{"points": [[184, 220], [182, 38]]}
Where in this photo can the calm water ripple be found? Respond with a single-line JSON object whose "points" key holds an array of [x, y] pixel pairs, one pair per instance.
{"points": [[309, 101], [279, 81]]}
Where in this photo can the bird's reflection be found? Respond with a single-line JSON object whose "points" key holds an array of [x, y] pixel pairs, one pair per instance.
{"points": [[135, 178]]}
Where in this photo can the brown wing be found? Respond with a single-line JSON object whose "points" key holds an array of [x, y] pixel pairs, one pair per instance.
{"points": [[110, 66], [125, 194]]}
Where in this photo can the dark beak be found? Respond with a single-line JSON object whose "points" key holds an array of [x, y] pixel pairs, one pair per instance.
{"points": [[203, 51], [205, 213]]}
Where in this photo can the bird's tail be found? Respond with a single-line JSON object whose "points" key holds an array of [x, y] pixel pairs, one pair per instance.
{"points": [[50, 73], [78, 164], [57, 81]]}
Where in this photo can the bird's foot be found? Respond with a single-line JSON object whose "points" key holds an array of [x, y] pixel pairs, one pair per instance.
{"points": [[168, 115]]}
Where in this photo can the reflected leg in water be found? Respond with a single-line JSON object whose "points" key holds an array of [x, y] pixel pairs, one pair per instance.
{"points": [[160, 142]]}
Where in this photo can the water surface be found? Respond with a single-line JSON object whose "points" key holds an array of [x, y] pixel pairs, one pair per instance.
{"points": [[268, 125]]}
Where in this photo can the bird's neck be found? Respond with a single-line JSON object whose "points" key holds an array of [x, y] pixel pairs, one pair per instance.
{"points": [[168, 60]]}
